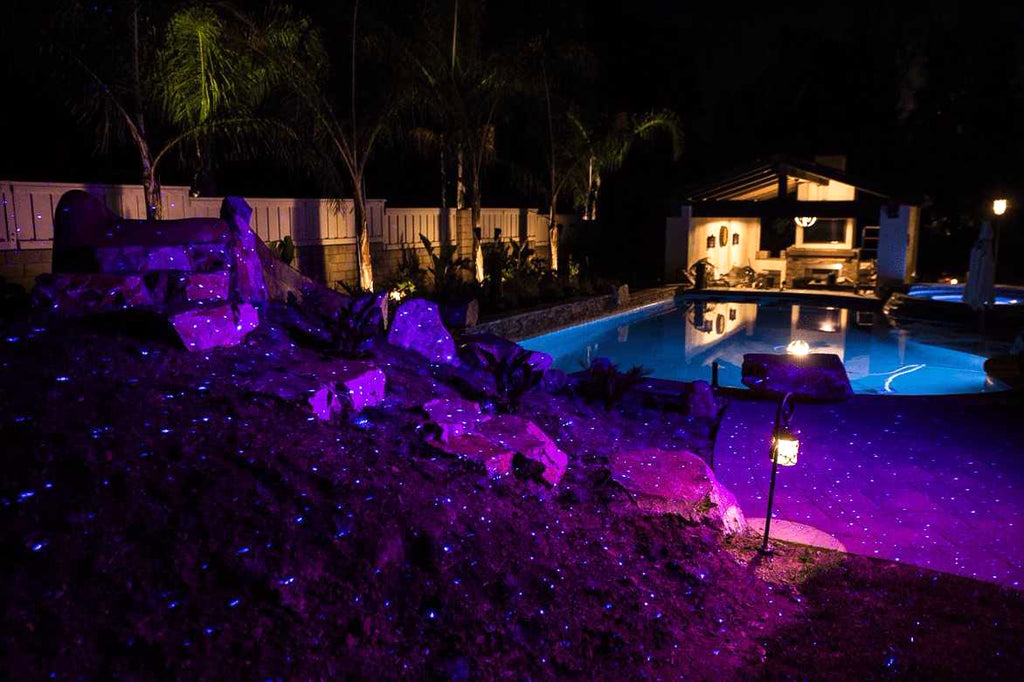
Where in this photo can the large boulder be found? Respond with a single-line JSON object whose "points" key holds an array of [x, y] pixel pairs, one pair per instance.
{"points": [[247, 268], [818, 376], [463, 431], [417, 327], [223, 325], [204, 274], [679, 482]]}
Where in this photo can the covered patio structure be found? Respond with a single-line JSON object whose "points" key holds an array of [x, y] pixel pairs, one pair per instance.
{"points": [[788, 223]]}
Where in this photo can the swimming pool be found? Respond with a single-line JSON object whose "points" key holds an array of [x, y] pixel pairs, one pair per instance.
{"points": [[680, 339], [953, 293]]}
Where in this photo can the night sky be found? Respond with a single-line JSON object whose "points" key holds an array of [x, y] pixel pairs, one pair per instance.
{"points": [[925, 99]]}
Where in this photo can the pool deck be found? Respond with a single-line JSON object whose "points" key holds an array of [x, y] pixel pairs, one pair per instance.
{"points": [[934, 481]]}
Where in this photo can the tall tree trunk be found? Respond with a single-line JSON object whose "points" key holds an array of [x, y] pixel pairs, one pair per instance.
{"points": [[150, 180], [589, 214], [151, 191], [553, 233], [553, 165], [460, 182], [475, 214], [597, 192], [363, 261]]}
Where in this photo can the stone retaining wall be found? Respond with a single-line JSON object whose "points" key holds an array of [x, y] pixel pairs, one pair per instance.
{"points": [[534, 322]]}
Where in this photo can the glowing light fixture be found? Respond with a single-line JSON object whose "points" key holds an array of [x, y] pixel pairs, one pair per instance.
{"points": [[805, 221], [999, 206], [785, 447], [784, 451], [798, 347], [954, 281]]}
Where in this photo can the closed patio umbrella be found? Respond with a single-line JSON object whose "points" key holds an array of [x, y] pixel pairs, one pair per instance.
{"points": [[981, 277]]}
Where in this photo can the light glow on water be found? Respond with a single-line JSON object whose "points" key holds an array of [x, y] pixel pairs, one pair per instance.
{"points": [[680, 341]]}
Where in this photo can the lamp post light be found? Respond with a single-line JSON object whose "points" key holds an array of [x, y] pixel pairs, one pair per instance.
{"points": [[784, 450], [999, 207]]}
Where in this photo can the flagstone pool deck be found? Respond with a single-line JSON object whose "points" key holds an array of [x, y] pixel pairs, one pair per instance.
{"points": [[934, 481]]}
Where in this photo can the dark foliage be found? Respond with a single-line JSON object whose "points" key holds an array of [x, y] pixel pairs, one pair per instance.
{"points": [[513, 374], [360, 321], [602, 381], [446, 270]]}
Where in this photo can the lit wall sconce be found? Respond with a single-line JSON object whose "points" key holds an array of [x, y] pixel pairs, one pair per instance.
{"points": [[735, 238], [999, 206], [711, 241], [805, 221]]}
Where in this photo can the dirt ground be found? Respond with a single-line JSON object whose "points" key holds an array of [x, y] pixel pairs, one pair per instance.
{"points": [[160, 521]]}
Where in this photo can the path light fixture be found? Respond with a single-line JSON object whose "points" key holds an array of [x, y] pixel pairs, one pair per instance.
{"points": [[784, 450]]}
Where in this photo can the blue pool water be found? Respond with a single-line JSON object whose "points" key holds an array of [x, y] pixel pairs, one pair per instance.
{"points": [[953, 293], [680, 339]]}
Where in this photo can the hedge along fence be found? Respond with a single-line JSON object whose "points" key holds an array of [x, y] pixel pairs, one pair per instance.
{"points": [[323, 229]]}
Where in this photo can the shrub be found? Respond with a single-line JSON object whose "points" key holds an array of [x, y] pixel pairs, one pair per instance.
{"points": [[513, 374], [603, 381], [360, 321], [446, 270], [284, 249]]}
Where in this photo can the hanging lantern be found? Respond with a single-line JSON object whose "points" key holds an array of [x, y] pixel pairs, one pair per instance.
{"points": [[785, 447]]}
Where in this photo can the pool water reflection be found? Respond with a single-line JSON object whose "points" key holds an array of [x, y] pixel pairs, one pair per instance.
{"points": [[680, 341]]}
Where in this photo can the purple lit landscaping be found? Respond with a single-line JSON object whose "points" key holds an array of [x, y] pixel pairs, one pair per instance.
{"points": [[442, 340]]}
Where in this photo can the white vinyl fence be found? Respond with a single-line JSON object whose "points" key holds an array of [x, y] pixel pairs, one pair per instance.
{"points": [[28, 209]]}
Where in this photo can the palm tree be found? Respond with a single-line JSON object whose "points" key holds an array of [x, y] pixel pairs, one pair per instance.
{"points": [[550, 67], [604, 149], [341, 135], [465, 84], [200, 83]]}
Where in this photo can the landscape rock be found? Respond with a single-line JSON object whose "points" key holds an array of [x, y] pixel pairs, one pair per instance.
{"points": [[454, 416], [247, 267], [496, 458], [417, 327], [677, 481], [78, 293], [224, 325], [524, 437], [362, 385], [466, 432], [819, 376], [326, 403]]}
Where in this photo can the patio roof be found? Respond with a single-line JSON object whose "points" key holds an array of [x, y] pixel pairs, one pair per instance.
{"points": [[760, 181]]}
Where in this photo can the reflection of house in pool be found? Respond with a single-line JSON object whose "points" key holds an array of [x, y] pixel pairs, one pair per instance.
{"points": [[794, 223], [709, 324]]}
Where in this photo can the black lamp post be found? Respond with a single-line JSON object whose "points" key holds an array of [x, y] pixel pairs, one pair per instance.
{"points": [[784, 451]]}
